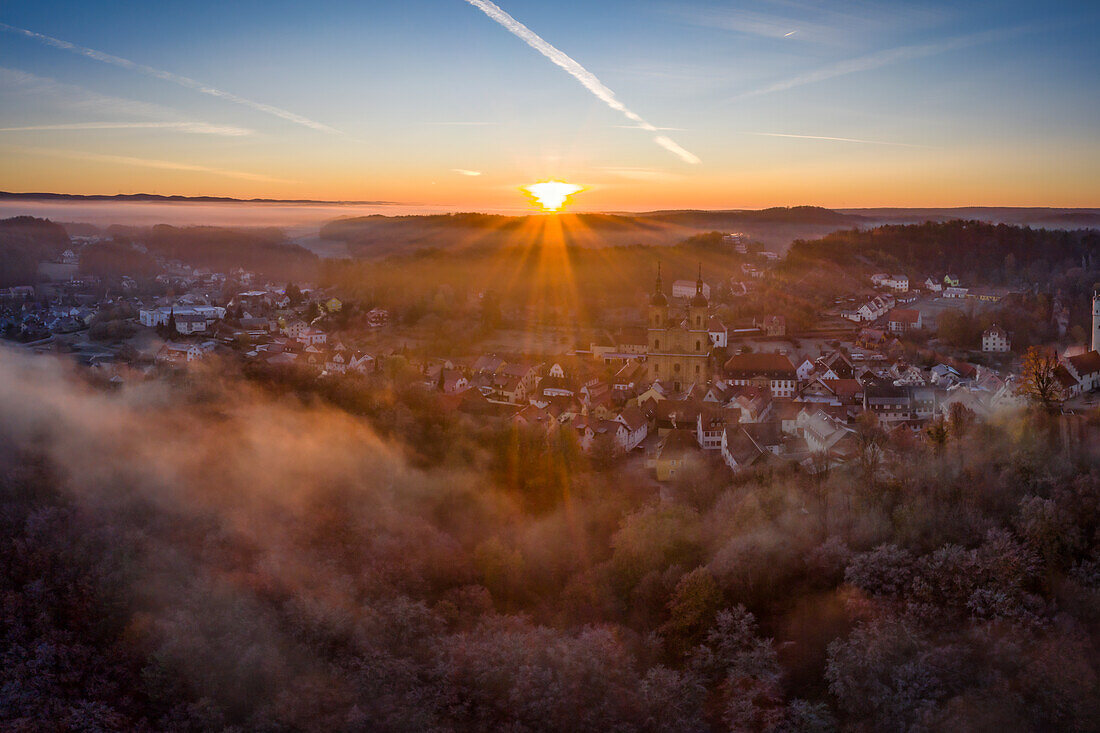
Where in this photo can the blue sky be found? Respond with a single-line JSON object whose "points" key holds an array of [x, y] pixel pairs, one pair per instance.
{"points": [[926, 103]]}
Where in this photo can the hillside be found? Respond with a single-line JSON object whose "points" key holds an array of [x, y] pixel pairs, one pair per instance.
{"points": [[378, 235], [24, 241]]}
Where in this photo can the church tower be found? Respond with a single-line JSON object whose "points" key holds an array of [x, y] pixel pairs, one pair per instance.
{"points": [[658, 304], [697, 309], [1096, 320]]}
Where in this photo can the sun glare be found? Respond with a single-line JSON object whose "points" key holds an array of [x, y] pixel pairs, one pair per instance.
{"points": [[551, 195]]}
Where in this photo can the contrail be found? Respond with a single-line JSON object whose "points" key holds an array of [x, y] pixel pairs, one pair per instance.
{"points": [[465, 172], [587, 79], [200, 128], [183, 81], [834, 139], [142, 162]]}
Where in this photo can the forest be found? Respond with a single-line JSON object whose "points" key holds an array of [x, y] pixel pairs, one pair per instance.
{"points": [[247, 551]]}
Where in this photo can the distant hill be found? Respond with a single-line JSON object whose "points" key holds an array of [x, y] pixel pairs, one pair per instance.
{"points": [[153, 197], [378, 235], [24, 242]]}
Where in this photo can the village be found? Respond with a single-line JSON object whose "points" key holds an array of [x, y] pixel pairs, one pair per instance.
{"points": [[680, 387]]}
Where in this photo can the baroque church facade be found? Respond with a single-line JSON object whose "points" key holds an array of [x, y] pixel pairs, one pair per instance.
{"points": [[679, 342]]}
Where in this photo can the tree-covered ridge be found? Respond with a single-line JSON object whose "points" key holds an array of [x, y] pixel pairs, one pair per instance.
{"points": [[976, 251]]}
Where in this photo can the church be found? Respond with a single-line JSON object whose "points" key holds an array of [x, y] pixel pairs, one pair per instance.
{"points": [[679, 344]]}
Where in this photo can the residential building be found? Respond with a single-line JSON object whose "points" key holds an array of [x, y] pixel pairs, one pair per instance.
{"points": [[995, 340]]}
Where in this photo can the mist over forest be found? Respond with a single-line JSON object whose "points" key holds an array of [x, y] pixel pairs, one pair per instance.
{"points": [[217, 551]]}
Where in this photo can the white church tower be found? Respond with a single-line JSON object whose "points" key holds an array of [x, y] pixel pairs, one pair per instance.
{"points": [[1096, 320]]}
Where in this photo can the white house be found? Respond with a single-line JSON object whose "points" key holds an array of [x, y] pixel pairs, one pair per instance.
{"points": [[719, 335], [897, 283], [995, 340], [933, 285]]}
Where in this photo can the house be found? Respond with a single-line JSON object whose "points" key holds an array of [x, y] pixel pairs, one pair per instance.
{"points": [[361, 363], [677, 447], [686, 289], [824, 434], [332, 305], [995, 340], [951, 280], [177, 353], [738, 450], [1085, 369], [879, 278], [189, 323], [636, 428], [774, 371], [933, 285], [897, 283], [711, 423], [888, 402], [902, 320], [295, 328], [955, 292], [311, 337], [772, 325], [719, 335]]}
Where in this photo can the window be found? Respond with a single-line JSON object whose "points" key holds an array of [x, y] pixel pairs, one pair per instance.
{"points": [[696, 368], [698, 345], [657, 343], [656, 368], [676, 368], [698, 320]]}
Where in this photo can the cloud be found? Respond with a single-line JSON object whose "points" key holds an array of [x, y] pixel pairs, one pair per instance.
{"points": [[199, 128], [882, 58], [464, 172], [168, 76], [834, 139], [463, 124], [587, 79], [142, 162]]}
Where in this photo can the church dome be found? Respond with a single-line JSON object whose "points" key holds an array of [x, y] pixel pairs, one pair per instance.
{"points": [[658, 299], [699, 301]]}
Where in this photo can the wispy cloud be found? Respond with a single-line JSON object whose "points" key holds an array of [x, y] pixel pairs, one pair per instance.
{"points": [[882, 58], [465, 172], [199, 128], [835, 139], [168, 76], [463, 124], [587, 79], [141, 162]]}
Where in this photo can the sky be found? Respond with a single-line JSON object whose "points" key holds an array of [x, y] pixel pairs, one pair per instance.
{"points": [[646, 104]]}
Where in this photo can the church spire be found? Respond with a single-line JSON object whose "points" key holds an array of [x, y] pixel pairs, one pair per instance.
{"points": [[699, 282], [657, 287]]}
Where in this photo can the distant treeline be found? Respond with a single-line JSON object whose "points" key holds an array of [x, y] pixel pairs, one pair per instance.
{"points": [[975, 251], [24, 242]]}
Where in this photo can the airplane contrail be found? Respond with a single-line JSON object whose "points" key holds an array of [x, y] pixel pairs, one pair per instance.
{"points": [[835, 139], [182, 81], [587, 79]]}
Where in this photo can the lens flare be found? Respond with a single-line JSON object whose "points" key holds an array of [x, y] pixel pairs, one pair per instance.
{"points": [[551, 195]]}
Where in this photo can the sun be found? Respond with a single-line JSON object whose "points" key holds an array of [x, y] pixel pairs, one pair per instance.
{"points": [[551, 195]]}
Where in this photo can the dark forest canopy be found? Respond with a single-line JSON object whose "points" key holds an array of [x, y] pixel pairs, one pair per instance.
{"points": [[277, 553], [264, 251], [976, 251], [24, 242]]}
